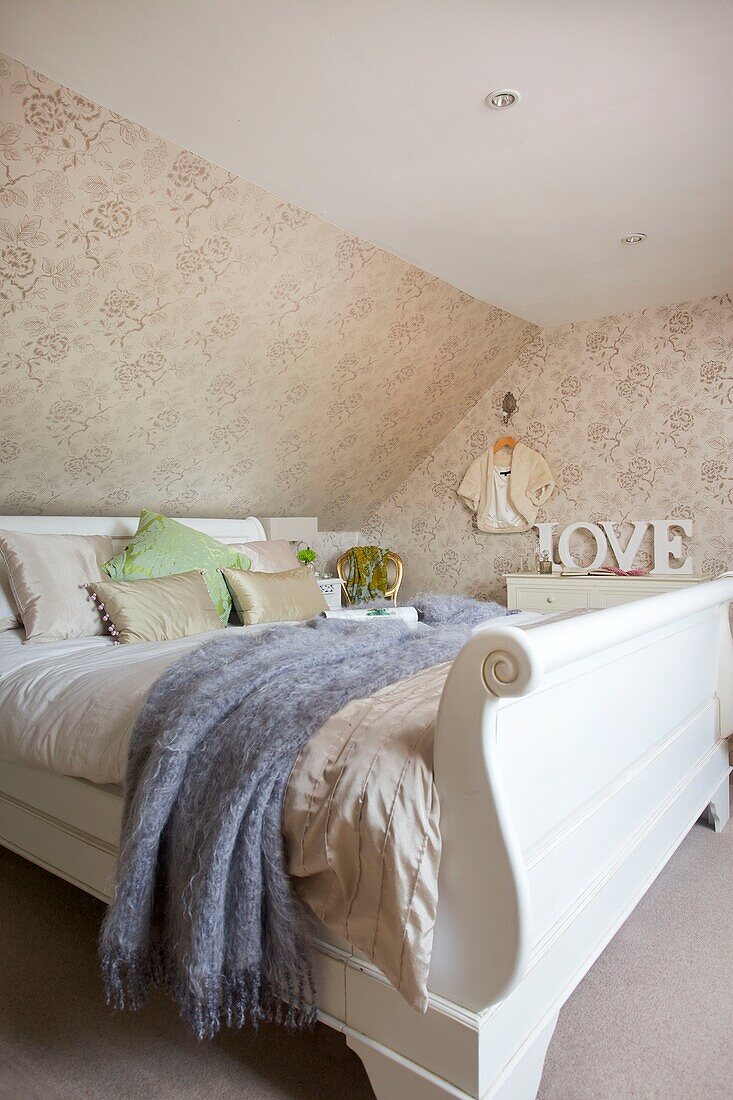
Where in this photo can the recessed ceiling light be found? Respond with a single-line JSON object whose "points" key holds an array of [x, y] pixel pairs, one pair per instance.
{"points": [[634, 238], [505, 97]]}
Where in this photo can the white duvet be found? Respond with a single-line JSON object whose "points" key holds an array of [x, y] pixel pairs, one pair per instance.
{"points": [[69, 707]]}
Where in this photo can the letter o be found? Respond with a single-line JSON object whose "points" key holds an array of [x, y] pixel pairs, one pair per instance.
{"points": [[563, 546]]}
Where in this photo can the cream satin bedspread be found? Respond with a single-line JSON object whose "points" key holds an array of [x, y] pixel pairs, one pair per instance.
{"points": [[361, 816], [362, 826]]}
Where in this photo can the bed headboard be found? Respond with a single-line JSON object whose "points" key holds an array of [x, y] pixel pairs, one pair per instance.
{"points": [[121, 528]]}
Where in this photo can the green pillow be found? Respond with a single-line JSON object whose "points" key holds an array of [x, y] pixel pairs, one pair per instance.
{"points": [[162, 546]]}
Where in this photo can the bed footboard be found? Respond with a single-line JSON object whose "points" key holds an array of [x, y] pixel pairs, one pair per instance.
{"points": [[571, 759]]}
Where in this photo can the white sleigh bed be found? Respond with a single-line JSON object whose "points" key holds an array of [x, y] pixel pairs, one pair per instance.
{"points": [[570, 758]]}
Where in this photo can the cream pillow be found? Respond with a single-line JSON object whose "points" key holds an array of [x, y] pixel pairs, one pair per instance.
{"points": [[8, 609], [275, 597], [268, 557], [155, 609], [47, 575]]}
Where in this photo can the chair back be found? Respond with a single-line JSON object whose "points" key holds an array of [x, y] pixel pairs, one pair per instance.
{"points": [[390, 593]]}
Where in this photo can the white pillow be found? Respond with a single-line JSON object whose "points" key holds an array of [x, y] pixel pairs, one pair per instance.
{"points": [[274, 556], [9, 618]]}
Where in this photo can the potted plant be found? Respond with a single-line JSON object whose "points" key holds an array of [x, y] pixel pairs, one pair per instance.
{"points": [[307, 557]]}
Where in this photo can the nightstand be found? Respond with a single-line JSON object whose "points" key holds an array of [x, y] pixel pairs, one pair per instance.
{"points": [[553, 592], [331, 589]]}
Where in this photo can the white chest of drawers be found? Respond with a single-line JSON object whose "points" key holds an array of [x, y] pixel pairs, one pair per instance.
{"points": [[534, 592]]}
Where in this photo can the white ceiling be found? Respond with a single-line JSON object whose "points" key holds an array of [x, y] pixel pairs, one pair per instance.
{"points": [[370, 114]]}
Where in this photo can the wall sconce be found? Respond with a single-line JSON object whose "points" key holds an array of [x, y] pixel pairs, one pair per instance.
{"points": [[508, 407]]}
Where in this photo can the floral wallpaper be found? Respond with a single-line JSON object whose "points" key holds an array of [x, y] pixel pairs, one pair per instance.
{"points": [[635, 417], [329, 546], [176, 338]]}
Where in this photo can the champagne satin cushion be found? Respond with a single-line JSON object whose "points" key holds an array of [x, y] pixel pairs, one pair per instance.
{"points": [[47, 575], [291, 596], [157, 609]]}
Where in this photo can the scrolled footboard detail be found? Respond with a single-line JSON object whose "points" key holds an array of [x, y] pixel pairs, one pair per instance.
{"points": [[512, 667], [483, 891]]}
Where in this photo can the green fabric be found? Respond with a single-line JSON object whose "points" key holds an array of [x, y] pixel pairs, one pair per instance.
{"points": [[162, 546], [367, 573]]}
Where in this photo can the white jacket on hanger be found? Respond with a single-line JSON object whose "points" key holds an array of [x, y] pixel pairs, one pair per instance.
{"points": [[505, 504]]}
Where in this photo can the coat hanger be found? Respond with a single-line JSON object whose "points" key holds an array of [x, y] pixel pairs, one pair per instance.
{"points": [[505, 441]]}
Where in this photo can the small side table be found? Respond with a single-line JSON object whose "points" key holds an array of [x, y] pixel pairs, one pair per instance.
{"points": [[331, 589]]}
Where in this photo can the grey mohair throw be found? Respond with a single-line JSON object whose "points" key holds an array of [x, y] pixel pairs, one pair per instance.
{"points": [[456, 609], [203, 906]]}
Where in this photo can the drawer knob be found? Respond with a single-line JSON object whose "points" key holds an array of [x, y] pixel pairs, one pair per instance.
{"points": [[550, 599]]}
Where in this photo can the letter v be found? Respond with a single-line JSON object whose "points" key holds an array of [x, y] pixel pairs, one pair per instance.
{"points": [[625, 558]]}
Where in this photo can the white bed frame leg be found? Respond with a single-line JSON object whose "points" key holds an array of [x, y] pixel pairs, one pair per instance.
{"points": [[521, 1080], [394, 1077], [718, 811]]}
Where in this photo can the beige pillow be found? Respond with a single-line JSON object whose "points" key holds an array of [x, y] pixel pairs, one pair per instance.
{"points": [[155, 609], [275, 597], [47, 575], [269, 557], [8, 609]]}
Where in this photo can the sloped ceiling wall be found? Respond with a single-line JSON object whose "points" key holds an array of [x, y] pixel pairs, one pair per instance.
{"points": [[634, 415], [175, 337]]}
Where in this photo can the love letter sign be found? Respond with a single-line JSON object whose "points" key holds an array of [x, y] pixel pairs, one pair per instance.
{"points": [[666, 544]]}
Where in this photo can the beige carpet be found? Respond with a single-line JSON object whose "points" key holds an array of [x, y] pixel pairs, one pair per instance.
{"points": [[651, 1021]]}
